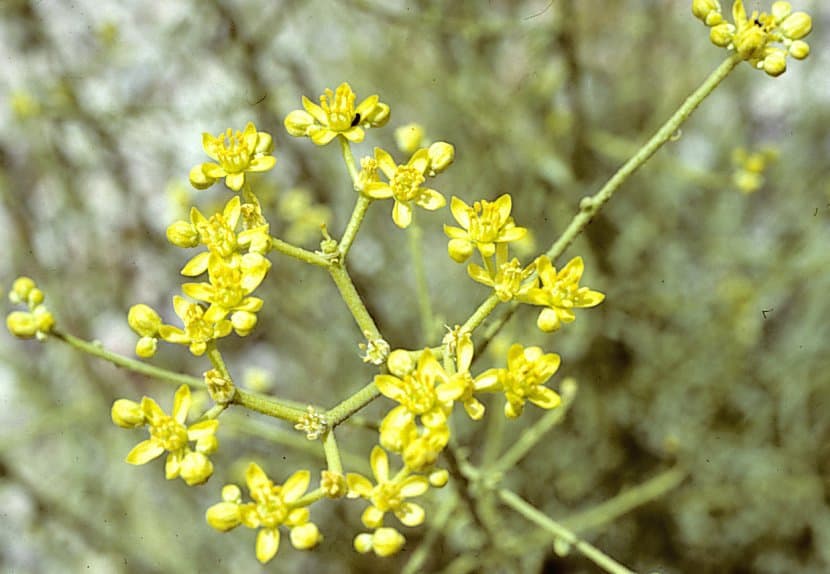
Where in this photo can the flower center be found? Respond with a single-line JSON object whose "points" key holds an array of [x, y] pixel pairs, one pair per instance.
{"points": [[420, 394], [197, 329], [272, 511], [406, 183], [171, 434], [484, 222], [387, 496], [232, 152], [218, 235], [339, 108]]}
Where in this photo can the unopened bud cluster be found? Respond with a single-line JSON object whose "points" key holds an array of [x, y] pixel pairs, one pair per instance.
{"points": [[37, 321]]}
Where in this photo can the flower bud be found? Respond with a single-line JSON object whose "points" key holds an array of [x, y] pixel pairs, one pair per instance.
{"points": [[35, 297], [409, 137], [231, 493], [44, 321], [703, 8], [775, 63], [183, 234], [305, 536], [21, 324], [750, 42], [264, 144], [223, 516], [363, 542], [144, 320], [722, 34], [127, 414], [439, 478], [377, 116], [333, 484], [196, 468], [146, 347], [460, 249], [243, 322], [21, 288], [400, 362], [799, 49], [781, 10], [298, 122], [387, 541], [199, 179], [441, 156], [796, 25]]}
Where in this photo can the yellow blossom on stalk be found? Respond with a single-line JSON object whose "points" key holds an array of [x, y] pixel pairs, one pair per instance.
{"points": [[485, 225], [198, 330], [418, 446], [231, 282], [419, 392], [388, 494], [559, 292], [337, 115], [272, 505], [218, 233], [764, 40], [145, 322], [461, 384], [404, 185], [38, 320], [528, 368], [169, 433], [507, 281], [235, 153]]}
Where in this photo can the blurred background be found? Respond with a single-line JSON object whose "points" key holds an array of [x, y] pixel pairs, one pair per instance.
{"points": [[708, 355]]}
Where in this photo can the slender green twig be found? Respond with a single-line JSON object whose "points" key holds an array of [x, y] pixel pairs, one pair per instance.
{"points": [[332, 452], [591, 205], [536, 516], [353, 225], [298, 253], [353, 301], [95, 349], [626, 501], [416, 252], [217, 361], [480, 314], [346, 408], [348, 159], [267, 406]]}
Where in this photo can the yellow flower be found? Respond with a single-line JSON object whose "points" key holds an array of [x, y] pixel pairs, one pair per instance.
{"points": [[523, 380], [417, 391], [170, 434], [236, 153], [198, 330], [388, 494], [272, 505], [404, 185], [559, 292], [485, 225], [749, 167], [507, 281], [755, 37], [337, 115], [231, 282]]}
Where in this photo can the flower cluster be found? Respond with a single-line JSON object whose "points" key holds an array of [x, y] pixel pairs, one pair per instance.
{"points": [[234, 154], [337, 115], [169, 433], [38, 320], [271, 506], [235, 264], [764, 40]]}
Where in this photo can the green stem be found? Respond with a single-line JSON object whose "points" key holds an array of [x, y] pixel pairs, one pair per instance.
{"points": [[591, 205], [422, 288], [535, 433], [626, 501], [353, 301], [96, 350], [308, 499], [332, 452], [480, 314], [298, 253], [217, 361], [267, 406], [542, 520], [352, 404], [348, 158], [352, 227]]}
